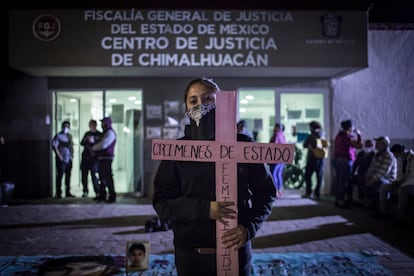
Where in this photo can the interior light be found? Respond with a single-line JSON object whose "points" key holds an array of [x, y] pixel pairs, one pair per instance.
{"points": [[250, 97], [47, 119], [132, 98], [73, 100], [242, 110], [244, 101], [112, 100], [138, 102]]}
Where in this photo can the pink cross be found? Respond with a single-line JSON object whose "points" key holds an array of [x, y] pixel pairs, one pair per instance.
{"points": [[226, 152]]}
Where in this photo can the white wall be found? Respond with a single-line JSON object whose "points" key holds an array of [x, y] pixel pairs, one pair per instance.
{"points": [[380, 99]]}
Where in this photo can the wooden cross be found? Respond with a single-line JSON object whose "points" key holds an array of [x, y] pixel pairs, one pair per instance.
{"points": [[226, 152]]}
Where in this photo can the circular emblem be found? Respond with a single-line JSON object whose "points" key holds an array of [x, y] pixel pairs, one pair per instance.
{"points": [[46, 27]]}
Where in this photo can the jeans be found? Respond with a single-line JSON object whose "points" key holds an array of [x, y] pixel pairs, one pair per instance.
{"points": [[277, 176], [90, 165], [343, 171], [107, 180], [314, 165], [63, 168]]}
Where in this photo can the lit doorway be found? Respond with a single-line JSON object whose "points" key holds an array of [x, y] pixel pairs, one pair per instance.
{"points": [[124, 107], [294, 108], [257, 108]]}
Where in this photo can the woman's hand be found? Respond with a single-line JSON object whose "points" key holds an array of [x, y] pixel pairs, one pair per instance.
{"points": [[235, 237], [220, 210]]}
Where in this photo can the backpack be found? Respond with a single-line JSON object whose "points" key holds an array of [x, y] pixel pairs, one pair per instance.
{"points": [[321, 149]]}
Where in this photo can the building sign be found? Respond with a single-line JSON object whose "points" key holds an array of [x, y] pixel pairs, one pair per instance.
{"points": [[188, 38], [46, 27]]}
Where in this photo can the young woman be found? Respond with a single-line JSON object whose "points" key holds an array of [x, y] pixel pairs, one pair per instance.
{"points": [[278, 137], [184, 192]]}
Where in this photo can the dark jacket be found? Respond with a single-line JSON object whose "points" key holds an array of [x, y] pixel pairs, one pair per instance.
{"points": [[362, 162], [310, 142], [184, 189], [86, 153]]}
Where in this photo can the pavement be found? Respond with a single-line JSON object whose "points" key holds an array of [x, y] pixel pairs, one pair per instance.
{"points": [[83, 226]]}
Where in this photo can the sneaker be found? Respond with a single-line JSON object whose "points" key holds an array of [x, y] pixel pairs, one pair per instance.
{"points": [[306, 196], [85, 195], [69, 195], [58, 196]]}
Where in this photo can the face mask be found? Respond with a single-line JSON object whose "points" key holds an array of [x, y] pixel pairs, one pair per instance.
{"points": [[66, 130], [197, 112], [202, 121]]}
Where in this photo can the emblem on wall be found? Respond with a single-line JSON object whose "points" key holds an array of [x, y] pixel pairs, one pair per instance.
{"points": [[46, 27], [331, 24]]}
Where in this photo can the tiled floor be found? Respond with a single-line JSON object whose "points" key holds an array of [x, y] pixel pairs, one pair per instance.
{"points": [[82, 226]]}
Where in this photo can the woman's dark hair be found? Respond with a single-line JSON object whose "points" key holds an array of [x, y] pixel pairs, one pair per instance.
{"points": [[347, 124], [397, 148], [65, 123], [280, 126], [314, 125], [136, 246], [209, 83]]}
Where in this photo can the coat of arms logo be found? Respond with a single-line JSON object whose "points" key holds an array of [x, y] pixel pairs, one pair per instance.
{"points": [[331, 24]]}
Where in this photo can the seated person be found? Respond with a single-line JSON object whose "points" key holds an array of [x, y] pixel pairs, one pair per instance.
{"points": [[382, 171], [388, 193], [360, 167], [406, 189]]}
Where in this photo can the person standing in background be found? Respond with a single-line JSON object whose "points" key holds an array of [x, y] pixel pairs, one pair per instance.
{"points": [[347, 141], [104, 150], [89, 163], [313, 163], [62, 144], [242, 128], [278, 137]]}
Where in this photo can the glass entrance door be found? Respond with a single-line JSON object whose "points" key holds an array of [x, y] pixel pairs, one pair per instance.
{"points": [[67, 108], [257, 108], [297, 108], [124, 106], [294, 108]]}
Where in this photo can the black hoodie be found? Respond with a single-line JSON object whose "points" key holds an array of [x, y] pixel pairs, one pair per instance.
{"points": [[183, 191]]}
